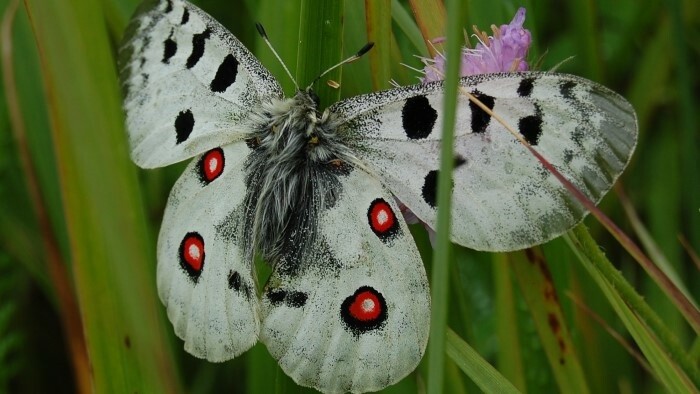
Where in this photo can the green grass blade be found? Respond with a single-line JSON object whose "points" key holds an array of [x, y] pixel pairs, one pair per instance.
{"points": [[687, 102], [471, 363], [409, 28], [537, 286], [441, 258], [282, 27], [112, 254], [431, 17], [510, 358], [668, 359], [378, 15], [320, 46]]}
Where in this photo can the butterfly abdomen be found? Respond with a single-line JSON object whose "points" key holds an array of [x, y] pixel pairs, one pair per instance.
{"points": [[291, 175]]}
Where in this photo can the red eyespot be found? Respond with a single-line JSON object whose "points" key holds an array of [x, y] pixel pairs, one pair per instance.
{"points": [[211, 165], [382, 219], [192, 255], [364, 311], [366, 306]]}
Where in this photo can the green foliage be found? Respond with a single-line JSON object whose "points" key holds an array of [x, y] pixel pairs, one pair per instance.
{"points": [[102, 214], [10, 337]]}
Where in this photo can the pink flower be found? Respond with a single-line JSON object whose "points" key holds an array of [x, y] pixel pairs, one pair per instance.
{"points": [[505, 51]]}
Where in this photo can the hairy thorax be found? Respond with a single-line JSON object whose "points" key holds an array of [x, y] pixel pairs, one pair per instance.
{"points": [[291, 176]]}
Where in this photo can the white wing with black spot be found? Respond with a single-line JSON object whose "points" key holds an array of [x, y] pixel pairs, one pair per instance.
{"points": [[189, 84], [205, 279], [354, 315], [503, 198]]}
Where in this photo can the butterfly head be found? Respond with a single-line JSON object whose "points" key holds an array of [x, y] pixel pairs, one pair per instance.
{"points": [[293, 129], [314, 97]]}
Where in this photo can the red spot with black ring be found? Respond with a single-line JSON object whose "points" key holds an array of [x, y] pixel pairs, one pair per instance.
{"points": [[192, 255], [382, 220], [364, 311], [211, 165]]}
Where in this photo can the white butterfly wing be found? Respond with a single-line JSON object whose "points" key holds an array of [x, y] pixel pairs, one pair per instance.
{"points": [[204, 278], [355, 314], [503, 198], [189, 84]]}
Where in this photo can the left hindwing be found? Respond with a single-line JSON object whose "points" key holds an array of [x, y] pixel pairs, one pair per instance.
{"points": [[354, 314], [503, 198]]}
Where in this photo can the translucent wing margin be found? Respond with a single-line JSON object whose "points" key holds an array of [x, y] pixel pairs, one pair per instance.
{"points": [[503, 198], [354, 315], [189, 84]]}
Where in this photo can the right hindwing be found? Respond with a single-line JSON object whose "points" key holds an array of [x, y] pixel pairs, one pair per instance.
{"points": [[354, 313], [205, 277], [189, 84]]}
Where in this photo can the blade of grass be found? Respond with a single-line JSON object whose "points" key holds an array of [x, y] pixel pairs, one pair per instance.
{"points": [[320, 46], [668, 358], [441, 258], [537, 286], [584, 24], [20, 54], [67, 305], [649, 243], [282, 27], [378, 15], [108, 239], [471, 363], [408, 26], [614, 334], [687, 104], [510, 360], [431, 16]]}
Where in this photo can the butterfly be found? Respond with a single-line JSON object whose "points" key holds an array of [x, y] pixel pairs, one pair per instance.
{"points": [[347, 306]]}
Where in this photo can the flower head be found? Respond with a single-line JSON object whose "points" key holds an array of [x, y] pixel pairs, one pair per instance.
{"points": [[505, 51]]}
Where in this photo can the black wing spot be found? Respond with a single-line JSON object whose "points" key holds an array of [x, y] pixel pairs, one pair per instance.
{"points": [[480, 119], [531, 127], [169, 49], [198, 41], [185, 17], [184, 123], [293, 299], [297, 299], [276, 296], [225, 75], [525, 87], [566, 89], [418, 117], [459, 161], [168, 6], [234, 280], [568, 156], [429, 191], [236, 283]]}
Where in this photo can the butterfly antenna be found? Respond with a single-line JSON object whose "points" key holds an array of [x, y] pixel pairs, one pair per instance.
{"points": [[263, 34], [351, 59]]}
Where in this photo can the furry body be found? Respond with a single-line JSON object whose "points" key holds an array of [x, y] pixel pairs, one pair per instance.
{"points": [[291, 175]]}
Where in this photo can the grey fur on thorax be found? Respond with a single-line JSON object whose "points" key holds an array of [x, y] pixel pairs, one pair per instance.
{"points": [[291, 176]]}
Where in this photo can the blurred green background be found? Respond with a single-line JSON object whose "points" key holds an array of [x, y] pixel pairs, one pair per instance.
{"points": [[79, 221]]}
